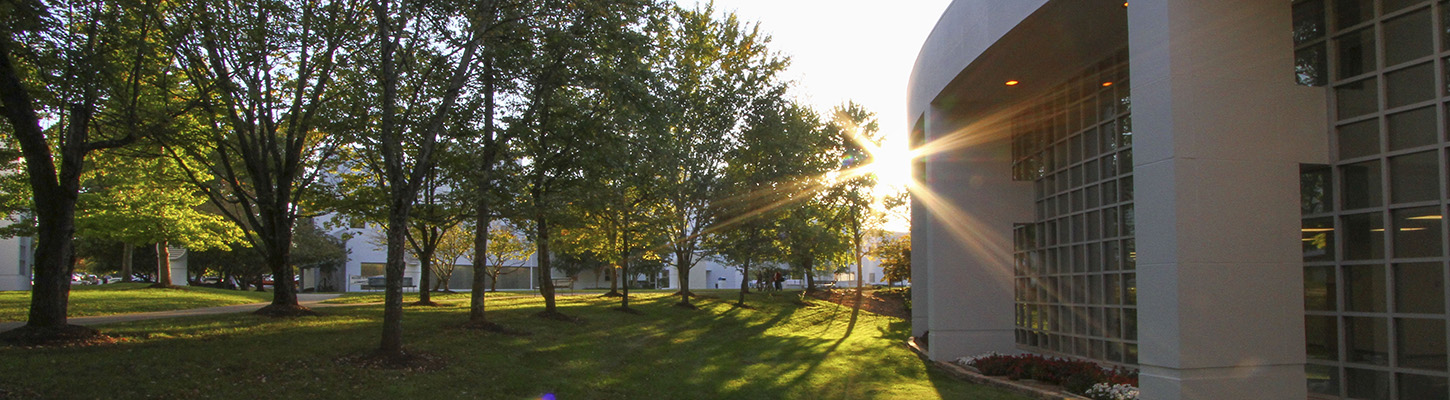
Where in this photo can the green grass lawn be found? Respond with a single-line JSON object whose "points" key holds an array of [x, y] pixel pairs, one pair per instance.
{"points": [[123, 298], [779, 350]]}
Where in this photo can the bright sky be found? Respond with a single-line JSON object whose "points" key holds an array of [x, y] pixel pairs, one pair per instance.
{"points": [[859, 50]]}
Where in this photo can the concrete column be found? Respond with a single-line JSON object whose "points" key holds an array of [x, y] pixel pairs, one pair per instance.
{"points": [[1220, 129], [973, 203], [920, 244]]}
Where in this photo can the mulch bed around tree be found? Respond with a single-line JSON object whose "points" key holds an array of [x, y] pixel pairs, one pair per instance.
{"points": [[891, 306], [285, 311], [629, 310], [558, 316], [407, 361], [68, 336], [489, 326]]}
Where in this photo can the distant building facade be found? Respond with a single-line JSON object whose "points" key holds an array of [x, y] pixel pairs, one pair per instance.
{"points": [[16, 263]]}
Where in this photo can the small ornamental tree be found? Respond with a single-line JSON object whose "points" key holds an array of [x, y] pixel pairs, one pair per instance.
{"points": [[453, 244], [895, 256], [507, 248]]}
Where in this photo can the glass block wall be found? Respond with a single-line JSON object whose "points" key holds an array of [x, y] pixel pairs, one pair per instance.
{"points": [[1373, 227], [1076, 290]]}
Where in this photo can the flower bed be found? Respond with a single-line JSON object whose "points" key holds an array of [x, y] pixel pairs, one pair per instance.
{"points": [[1081, 377]]}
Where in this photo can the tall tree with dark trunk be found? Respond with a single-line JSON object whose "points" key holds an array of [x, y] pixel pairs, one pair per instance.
{"points": [[408, 145], [265, 75], [68, 61]]}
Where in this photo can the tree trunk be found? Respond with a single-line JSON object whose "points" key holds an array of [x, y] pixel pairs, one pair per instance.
{"points": [[682, 263], [624, 269], [541, 241], [856, 242], [55, 192], [127, 251], [279, 257], [614, 283], [445, 279], [54, 264], [744, 283], [483, 216], [425, 264], [163, 264], [392, 342], [810, 266]]}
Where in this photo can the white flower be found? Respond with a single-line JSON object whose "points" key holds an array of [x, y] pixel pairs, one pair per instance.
{"points": [[968, 361], [1113, 392]]}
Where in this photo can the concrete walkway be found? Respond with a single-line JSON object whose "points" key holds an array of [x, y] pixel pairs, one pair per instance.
{"points": [[309, 300]]}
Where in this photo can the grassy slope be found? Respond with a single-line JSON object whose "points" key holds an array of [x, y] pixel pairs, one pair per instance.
{"points": [[122, 298], [780, 350]]}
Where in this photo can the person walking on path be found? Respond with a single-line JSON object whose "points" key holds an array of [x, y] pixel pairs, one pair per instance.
{"points": [[779, 281]]}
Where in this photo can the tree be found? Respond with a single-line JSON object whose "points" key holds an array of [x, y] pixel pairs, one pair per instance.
{"points": [[710, 71], [239, 267], [61, 66], [813, 239], [263, 74], [894, 252], [778, 164], [858, 133], [506, 249], [313, 248], [572, 77], [455, 243], [487, 149], [408, 145], [138, 200], [438, 214]]}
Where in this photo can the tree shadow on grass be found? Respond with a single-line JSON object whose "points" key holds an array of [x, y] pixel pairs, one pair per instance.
{"points": [[774, 351]]}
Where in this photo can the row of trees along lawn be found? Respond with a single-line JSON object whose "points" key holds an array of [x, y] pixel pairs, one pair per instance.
{"points": [[618, 134]]}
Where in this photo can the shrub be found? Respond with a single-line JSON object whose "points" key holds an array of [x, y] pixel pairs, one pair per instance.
{"points": [[1076, 376]]}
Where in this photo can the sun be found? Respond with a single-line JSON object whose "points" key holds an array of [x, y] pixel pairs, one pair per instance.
{"points": [[892, 166]]}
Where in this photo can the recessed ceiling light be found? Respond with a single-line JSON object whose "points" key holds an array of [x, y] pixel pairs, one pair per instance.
{"points": [[1013, 83], [1106, 84]]}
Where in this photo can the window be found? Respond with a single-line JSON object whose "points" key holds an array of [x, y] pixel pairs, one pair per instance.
{"points": [[1076, 291], [373, 269], [1373, 220]]}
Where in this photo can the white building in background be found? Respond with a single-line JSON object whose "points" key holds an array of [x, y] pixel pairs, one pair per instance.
{"points": [[15, 263], [366, 261]]}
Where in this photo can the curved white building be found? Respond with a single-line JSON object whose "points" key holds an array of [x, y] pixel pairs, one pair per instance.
{"points": [[1126, 183]]}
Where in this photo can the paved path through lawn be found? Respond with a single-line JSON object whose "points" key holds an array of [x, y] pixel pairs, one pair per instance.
{"points": [[309, 300]]}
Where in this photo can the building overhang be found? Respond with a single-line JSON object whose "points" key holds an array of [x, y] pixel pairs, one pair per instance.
{"points": [[1036, 43]]}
